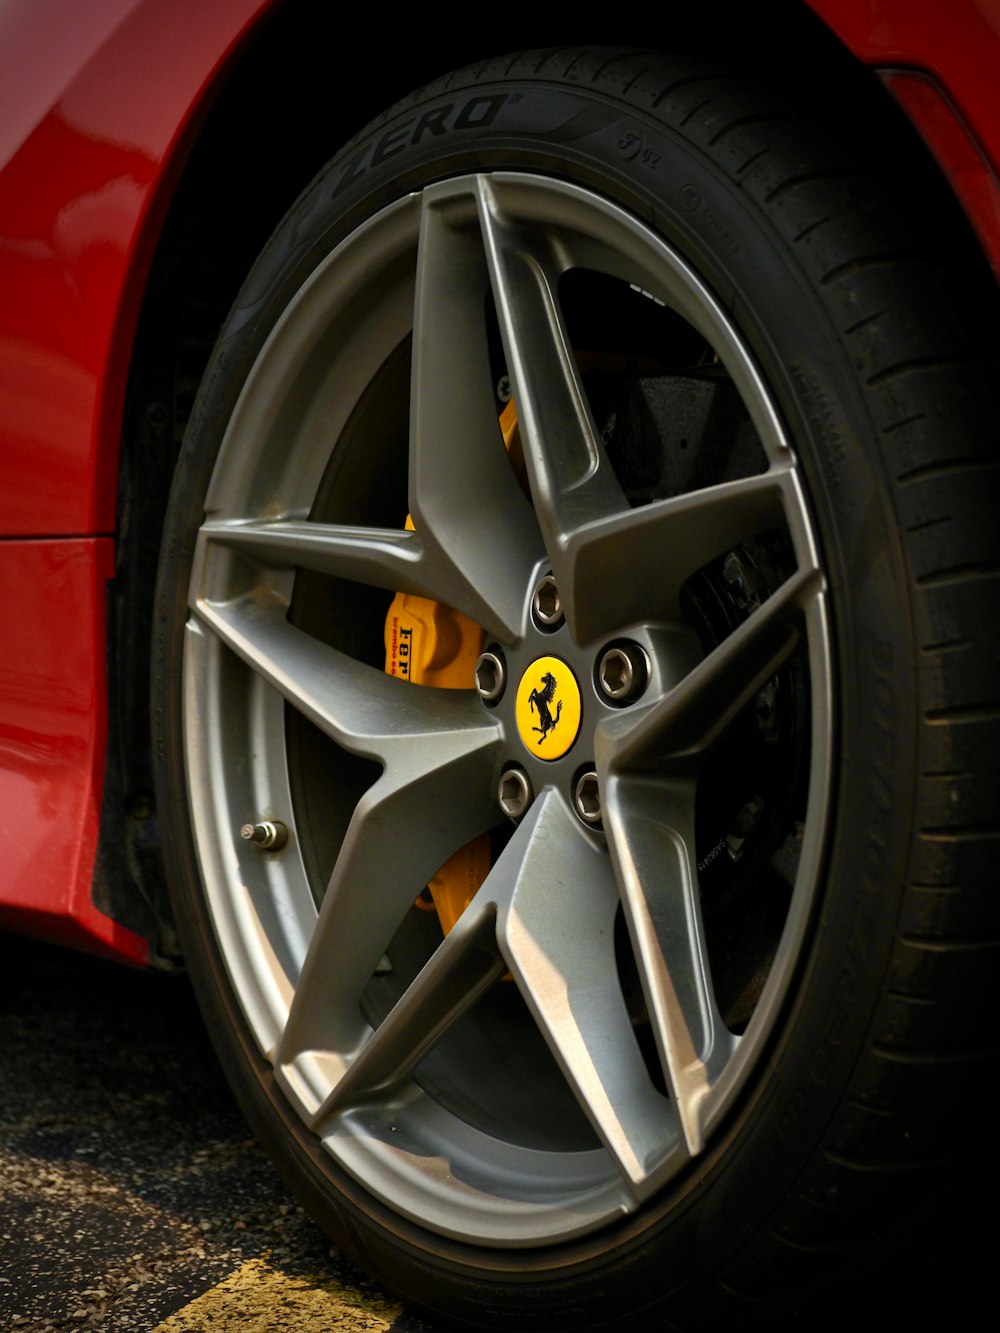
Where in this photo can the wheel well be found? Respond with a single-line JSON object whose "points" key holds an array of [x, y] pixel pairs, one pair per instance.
{"points": [[282, 112]]}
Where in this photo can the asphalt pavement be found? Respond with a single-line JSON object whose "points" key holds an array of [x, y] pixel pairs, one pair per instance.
{"points": [[132, 1196]]}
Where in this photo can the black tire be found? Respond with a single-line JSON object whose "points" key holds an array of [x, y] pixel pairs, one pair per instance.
{"points": [[864, 747]]}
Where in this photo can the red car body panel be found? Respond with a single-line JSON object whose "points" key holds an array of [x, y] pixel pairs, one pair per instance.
{"points": [[82, 197], [98, 105], [95, 114], [940, 63], [53, 725], [958, 45]]}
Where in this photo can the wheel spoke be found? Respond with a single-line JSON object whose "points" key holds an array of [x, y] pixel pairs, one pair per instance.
{"points": [[684, 722], [403, 829], [459, 971], [475, 523], [572, 483], [381, 558], [633, 564], [557, 900], [650, 828], [360, 707]]}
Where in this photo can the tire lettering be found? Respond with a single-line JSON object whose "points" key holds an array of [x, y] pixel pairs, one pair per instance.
{"points": [[435, 121], [476, 113], [630, 144], [488, 107], [822, 420], [391, 143], [353, 170]]}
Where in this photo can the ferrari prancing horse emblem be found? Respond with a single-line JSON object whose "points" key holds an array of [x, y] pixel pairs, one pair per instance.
{"points": [[539, 701], [548, 708]]}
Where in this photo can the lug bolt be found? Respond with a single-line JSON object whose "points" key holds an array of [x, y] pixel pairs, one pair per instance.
{"points": [[587, 798], [491, 676], [622, 672], [268, 835], [514, 792], [546, 604]]}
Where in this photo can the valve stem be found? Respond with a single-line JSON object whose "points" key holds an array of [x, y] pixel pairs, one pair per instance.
{"points": [[269, 835]]}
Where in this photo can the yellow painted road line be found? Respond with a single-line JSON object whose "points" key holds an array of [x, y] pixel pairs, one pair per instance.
{"points": [[260, 1299]]}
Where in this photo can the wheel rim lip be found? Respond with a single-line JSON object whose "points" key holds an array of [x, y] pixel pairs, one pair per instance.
{"points": [[263, 919]]}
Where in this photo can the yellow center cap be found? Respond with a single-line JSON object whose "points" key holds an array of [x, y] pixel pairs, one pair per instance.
{"points": [[548, 708]]}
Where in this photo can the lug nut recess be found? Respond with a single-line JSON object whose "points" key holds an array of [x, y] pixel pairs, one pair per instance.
{"points": [[490, 676], [587, 798], [514, 792], [546, 604], [623, 672]]}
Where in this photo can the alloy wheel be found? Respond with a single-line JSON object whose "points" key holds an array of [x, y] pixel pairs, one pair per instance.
{"points": [[565, 1051]]}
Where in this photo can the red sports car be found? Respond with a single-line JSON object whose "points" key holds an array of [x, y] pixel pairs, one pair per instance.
{"points": [[505, 588]]}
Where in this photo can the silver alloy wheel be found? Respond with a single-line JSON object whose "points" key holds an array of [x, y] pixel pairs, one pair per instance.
{"points": [[300, 969]]}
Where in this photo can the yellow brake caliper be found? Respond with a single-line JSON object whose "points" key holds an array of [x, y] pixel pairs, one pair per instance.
{"points": [[427, 643]]}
